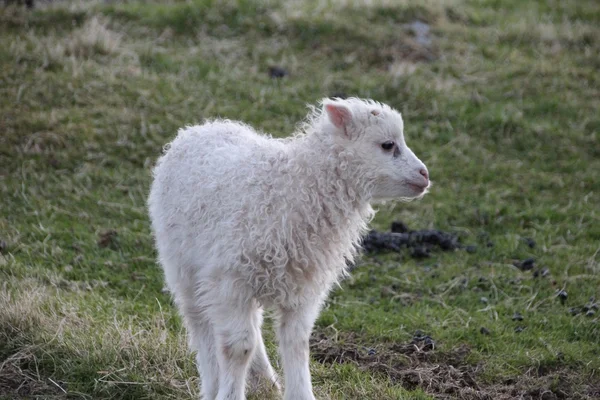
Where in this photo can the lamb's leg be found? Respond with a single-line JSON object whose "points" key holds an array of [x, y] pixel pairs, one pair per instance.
{"points": [[234, 326], [293, 334], [262, 373], [202, 341]]}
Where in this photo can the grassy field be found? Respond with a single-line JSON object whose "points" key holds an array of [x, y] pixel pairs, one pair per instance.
{"points": [[500, 98]]}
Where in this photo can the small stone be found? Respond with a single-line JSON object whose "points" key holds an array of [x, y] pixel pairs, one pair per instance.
{"points": [[574, 310], [545, 272], [517, 317], [519, 329], [277, 72], [372, 352], [68, 268], [562, 295], [590, 313], [490, 244], [484, 300], [471, 249], [3, 246], [484, 331], [526, 265], [536, 273], [530, 242], [428, 344]]}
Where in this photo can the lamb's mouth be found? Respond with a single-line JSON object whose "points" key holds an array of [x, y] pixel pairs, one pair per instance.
{"points": [[417, 188]]}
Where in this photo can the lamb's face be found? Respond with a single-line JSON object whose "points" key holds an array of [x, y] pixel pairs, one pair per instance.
{"points": [[375, 135]]}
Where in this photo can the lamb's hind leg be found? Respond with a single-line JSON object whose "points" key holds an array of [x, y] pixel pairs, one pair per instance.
{"points": [[203, 342], [201, 339], [234, 324], [262, 375]]}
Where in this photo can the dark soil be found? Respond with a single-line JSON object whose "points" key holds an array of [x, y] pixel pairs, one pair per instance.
{"points": [[445, 374], [17, 383], [108, 238]]}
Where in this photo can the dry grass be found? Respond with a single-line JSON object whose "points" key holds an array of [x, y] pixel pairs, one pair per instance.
{"points": [[82, 49], [501, 105], [46, 332]]}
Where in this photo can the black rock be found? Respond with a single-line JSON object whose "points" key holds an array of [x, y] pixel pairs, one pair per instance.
{"points": [[562, 295], [471, 249], [484, 331], [590, 313], [371, 352], [530, 242], [3, 246], [277, 72], [422, 240], [517, 317], [575, 310], [519, 329], [399, 227], [425, 342], [526, 265], [428, 344]]}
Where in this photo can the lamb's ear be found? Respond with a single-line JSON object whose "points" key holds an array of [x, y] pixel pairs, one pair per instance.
{"points": [[339, 115]]}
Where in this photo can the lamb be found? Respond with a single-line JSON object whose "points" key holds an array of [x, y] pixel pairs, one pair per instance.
{"points": [[243, 222]]}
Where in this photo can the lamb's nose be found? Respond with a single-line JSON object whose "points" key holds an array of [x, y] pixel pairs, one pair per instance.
{"points": [[423, 172]]}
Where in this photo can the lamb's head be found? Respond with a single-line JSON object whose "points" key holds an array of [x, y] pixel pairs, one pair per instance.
{"points": [[373, 134]]}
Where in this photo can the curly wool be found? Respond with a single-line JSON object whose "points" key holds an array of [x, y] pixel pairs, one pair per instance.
{"points": [[243, 221], [284, 216]]}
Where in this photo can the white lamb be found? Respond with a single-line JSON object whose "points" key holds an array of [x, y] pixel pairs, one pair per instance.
{"points": [[243, 221]]}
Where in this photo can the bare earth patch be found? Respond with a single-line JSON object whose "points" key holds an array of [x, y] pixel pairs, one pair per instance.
{"points": [[446, 374]]}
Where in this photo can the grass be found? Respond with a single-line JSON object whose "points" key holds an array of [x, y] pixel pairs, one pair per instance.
{"points": [[502, 106]]}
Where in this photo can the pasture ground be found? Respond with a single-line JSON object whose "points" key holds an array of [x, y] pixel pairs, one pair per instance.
{"points": [[500, 100]]}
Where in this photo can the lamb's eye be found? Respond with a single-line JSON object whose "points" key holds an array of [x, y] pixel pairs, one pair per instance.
{"points": [[387, 145]]}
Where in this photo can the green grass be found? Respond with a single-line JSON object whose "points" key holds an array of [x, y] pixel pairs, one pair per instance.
{"points": [[502, 107]]}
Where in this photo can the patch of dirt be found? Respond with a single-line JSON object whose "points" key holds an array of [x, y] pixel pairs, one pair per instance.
{"points": [[17, 383], [420, 243], [108, 239], [445, 375]]}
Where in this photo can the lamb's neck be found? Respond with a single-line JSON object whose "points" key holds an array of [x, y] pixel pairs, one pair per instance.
{"points": [[327, 168]]}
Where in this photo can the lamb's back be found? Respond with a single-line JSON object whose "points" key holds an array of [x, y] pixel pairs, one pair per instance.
{"points": [[209, 182]]}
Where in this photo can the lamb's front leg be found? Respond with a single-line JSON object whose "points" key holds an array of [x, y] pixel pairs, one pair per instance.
{"points": [[294, 331]]}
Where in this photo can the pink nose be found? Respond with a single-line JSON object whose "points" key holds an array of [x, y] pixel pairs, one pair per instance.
{"points": [[423, 172]]}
